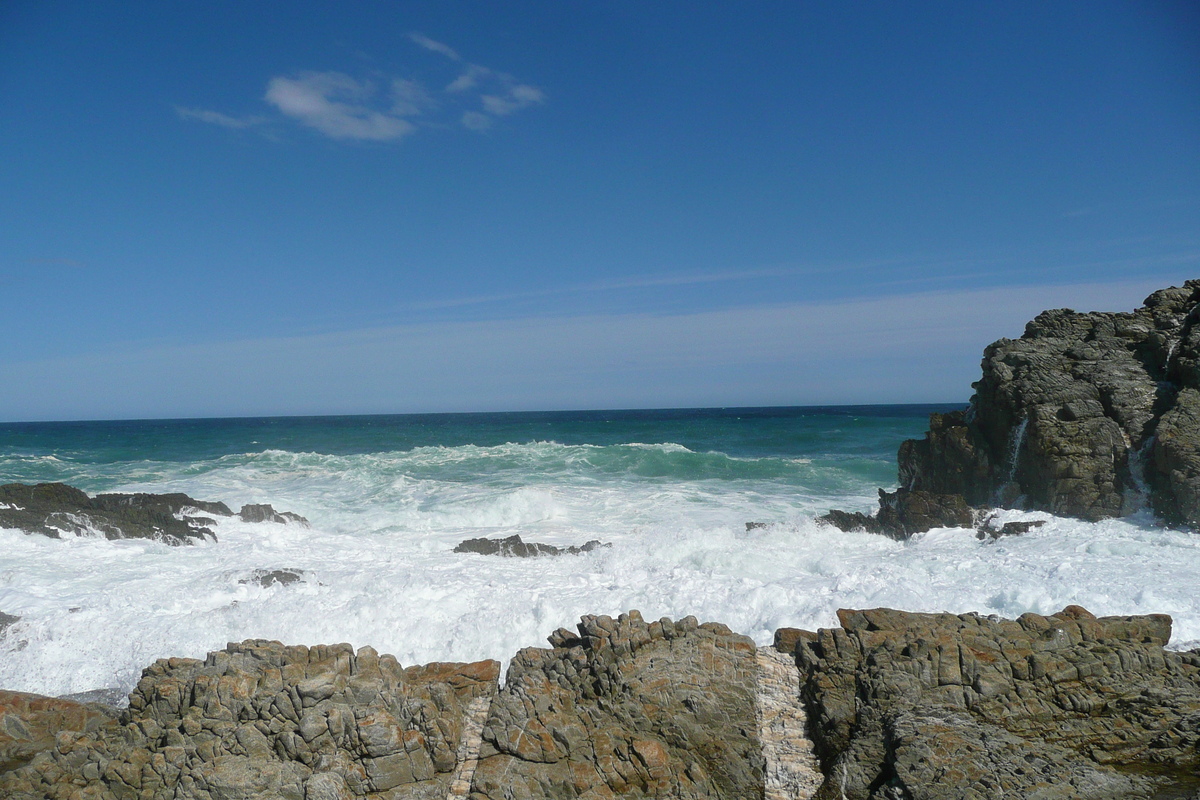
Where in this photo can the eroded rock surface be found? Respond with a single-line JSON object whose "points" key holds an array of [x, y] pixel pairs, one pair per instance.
{"points": [[259, 719], [1086, 415], [29, 724], [918, 706], [626, 708]]}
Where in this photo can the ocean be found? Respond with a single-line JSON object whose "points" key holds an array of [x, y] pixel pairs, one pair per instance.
{"points": [[389, 497]]}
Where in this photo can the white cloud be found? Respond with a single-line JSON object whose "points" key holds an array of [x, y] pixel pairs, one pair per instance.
{"points": [[469, 79], [435, 46], [516, 98], [217, 118], [343, 107], [335, 105]]}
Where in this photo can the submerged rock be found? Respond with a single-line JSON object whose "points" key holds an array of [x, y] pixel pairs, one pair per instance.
{"points": [[55, 509], [270, 577], [264, 512], [904, 513], [514, 547], [7, 620], [937, 706]]}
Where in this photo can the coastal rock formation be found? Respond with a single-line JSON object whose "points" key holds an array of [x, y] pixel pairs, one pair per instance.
{"points": [[1088, 415], [626, 708], [513, 546], [890, 706], [906, 705], [6, 620], [55, 509], [904, 512], [29, 724], [259, 719]]}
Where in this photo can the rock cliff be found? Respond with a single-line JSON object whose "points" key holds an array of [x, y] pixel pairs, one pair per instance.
{"points": [[1089, 415]]}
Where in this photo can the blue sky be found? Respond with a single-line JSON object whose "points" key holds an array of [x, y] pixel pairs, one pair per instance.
{"points": [[277, 208]]}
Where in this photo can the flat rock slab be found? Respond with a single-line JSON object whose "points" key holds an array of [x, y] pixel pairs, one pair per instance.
{"points": [[626, 709]]}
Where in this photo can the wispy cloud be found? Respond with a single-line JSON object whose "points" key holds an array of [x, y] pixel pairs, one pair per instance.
{"points": [[348, 108], [336, 105], [217, 118], [435, 46], [516, 98]]}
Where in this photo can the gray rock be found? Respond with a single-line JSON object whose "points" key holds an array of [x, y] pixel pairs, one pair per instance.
{"points": [[1087, 415], [626, 709], [264, 512], [271, 577], [944, 706], [6, 620], [512, 546], [904, 513], [260, 719], [54, 509]]}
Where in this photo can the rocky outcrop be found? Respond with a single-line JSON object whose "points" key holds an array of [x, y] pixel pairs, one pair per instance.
{"points": [[267, 578], [918, 706], [626, 708], [264, 512], [513, 546], [6, 620], [55, 509], [903, 513], [259, 719], [890, 706], [29, 724], [1089, 415]]}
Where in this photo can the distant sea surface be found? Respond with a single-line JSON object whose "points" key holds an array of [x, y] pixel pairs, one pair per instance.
{"points": [[388, 498]]}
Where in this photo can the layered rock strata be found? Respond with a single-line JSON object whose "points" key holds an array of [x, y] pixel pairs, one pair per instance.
{"points": [[930, 706], [56, 509]]}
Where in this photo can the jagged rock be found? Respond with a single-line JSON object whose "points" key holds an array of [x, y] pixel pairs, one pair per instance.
{"points": [[270, 577], [264, 512], [54, 509], [932, 706], [904, 513], [29, 724], [513, 546], [1086, 415], [6, 620], [987, 531], [626, 709], [260, 719]]}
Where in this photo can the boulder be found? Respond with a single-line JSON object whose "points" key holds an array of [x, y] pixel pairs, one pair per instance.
{"points": [[271, 577], [906, 705]]}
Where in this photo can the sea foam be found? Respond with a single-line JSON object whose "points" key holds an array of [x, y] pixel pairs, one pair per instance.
{"points": [[379, 568]]}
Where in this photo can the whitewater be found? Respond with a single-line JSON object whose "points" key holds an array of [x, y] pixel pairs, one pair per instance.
{"points": [[387, 503]]}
